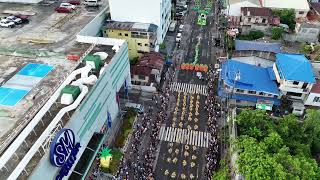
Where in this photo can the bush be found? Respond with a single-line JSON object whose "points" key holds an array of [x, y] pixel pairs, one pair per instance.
{"points": [[162, 46], [253, 35], [287, 16], [276, 33], [134, 60]]}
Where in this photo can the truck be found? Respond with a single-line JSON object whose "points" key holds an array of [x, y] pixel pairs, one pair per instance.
{"points": [[92, 3], [172, 26]]}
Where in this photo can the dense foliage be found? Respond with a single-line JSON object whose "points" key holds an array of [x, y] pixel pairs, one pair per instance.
{"points": [[287, 16], [278, 148], [126, 128], [253, 35], [276, 33]]}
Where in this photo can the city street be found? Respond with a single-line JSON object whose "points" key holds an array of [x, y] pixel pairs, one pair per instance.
{"points": [[184, 138]]}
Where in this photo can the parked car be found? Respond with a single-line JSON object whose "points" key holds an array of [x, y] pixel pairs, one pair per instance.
{"points": [[92, 3], [181, 27], [7, 24], [14, 19], [68, 5], [178, 38], [137, 107], [24, 19], [74, 2], [63, 10]]}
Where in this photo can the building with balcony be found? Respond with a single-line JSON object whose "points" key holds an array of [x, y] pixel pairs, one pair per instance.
{"points": [[247, 85], [56, 113], [156, 12], [141, 37], [257, 18], [294, 75]]}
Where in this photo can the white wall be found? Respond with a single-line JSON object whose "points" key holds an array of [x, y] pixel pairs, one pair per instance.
{"points": [[309, 100], [144, 11]]}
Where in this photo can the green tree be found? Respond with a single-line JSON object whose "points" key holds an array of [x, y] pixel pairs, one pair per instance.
{"points": [[223, 173], [312, 130], [305, 49], [276, 33], [254, 123], [287, 16]]}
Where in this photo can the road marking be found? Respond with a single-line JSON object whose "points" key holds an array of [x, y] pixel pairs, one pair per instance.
{"points": [[189, 88]]}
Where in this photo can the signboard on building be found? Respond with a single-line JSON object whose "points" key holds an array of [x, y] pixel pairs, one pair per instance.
{"points": [[264, 106], [63, 152]]}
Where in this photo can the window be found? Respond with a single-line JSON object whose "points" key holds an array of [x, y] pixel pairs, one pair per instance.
{"points": [[145, 44], [304, 85], [132, 76], [264, 20], [301, 12], [249, 19], [240, 91], [252, 92], [126, 34], [120, 34], [141, 77], [261, 93], [316, 99], [139, 44], [294, 94], [295, 83]]}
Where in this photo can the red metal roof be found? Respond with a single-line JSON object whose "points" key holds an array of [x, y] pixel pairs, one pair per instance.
{"points": [[256, 11], [316, 87]]}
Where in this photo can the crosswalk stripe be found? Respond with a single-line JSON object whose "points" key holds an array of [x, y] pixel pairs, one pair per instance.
{"points": [[189, 88], [184, 136]]}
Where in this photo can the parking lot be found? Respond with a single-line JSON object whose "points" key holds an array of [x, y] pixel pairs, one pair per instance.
{"points": [[46, 29]]}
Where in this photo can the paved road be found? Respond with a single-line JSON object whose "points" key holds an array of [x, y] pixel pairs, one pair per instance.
{"points": [[183, 137]]}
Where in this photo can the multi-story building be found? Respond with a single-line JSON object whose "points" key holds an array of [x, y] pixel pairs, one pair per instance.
{"points": [[57, 113], [257, 18], [141, 37], [248, 85], [156, 12], [294, 75], [301, 7]]}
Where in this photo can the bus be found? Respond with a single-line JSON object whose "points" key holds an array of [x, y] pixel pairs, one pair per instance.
{"points": [[202, 19]]}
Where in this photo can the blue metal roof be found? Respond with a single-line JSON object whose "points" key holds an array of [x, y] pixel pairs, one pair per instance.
{"points": [[251, 77], [250, 98], [295, 67], [241, 45]]}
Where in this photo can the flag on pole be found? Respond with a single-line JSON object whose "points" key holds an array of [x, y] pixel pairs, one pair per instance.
{"points": [[117, 98], [109, 120], [126, 87]]}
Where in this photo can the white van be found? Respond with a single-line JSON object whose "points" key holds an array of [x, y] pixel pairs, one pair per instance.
{"points": [[92, 2], [138, 107]]}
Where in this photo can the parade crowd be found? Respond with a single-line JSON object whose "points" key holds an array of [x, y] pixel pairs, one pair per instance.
{"points": [[140, 165], [214, 113]]}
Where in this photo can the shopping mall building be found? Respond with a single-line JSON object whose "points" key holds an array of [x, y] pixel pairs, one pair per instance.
{"points": [[69, 110]]}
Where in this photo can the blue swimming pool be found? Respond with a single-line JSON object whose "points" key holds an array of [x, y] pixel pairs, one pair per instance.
{"points": [[10, 96], [21, 83], [36, 70]]}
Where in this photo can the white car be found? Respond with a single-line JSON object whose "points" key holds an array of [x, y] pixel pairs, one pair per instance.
{"points": [[68, 6], [14, 19], [7, 24], [178, 38]]}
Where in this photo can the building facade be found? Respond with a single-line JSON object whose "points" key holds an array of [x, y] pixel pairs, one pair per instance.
{"points": [[294, 75], [247, 85], [80, 128], [141, 37], [301, 7], [156, 12], [313, 98]]}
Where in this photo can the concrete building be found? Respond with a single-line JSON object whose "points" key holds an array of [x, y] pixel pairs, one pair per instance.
{"points": [[257, 18], [301, 7], [147, 70], [233, 7], [313, 98], [79, 128], [156, 12], [248, 85], [294, 75], [141, 37]]}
